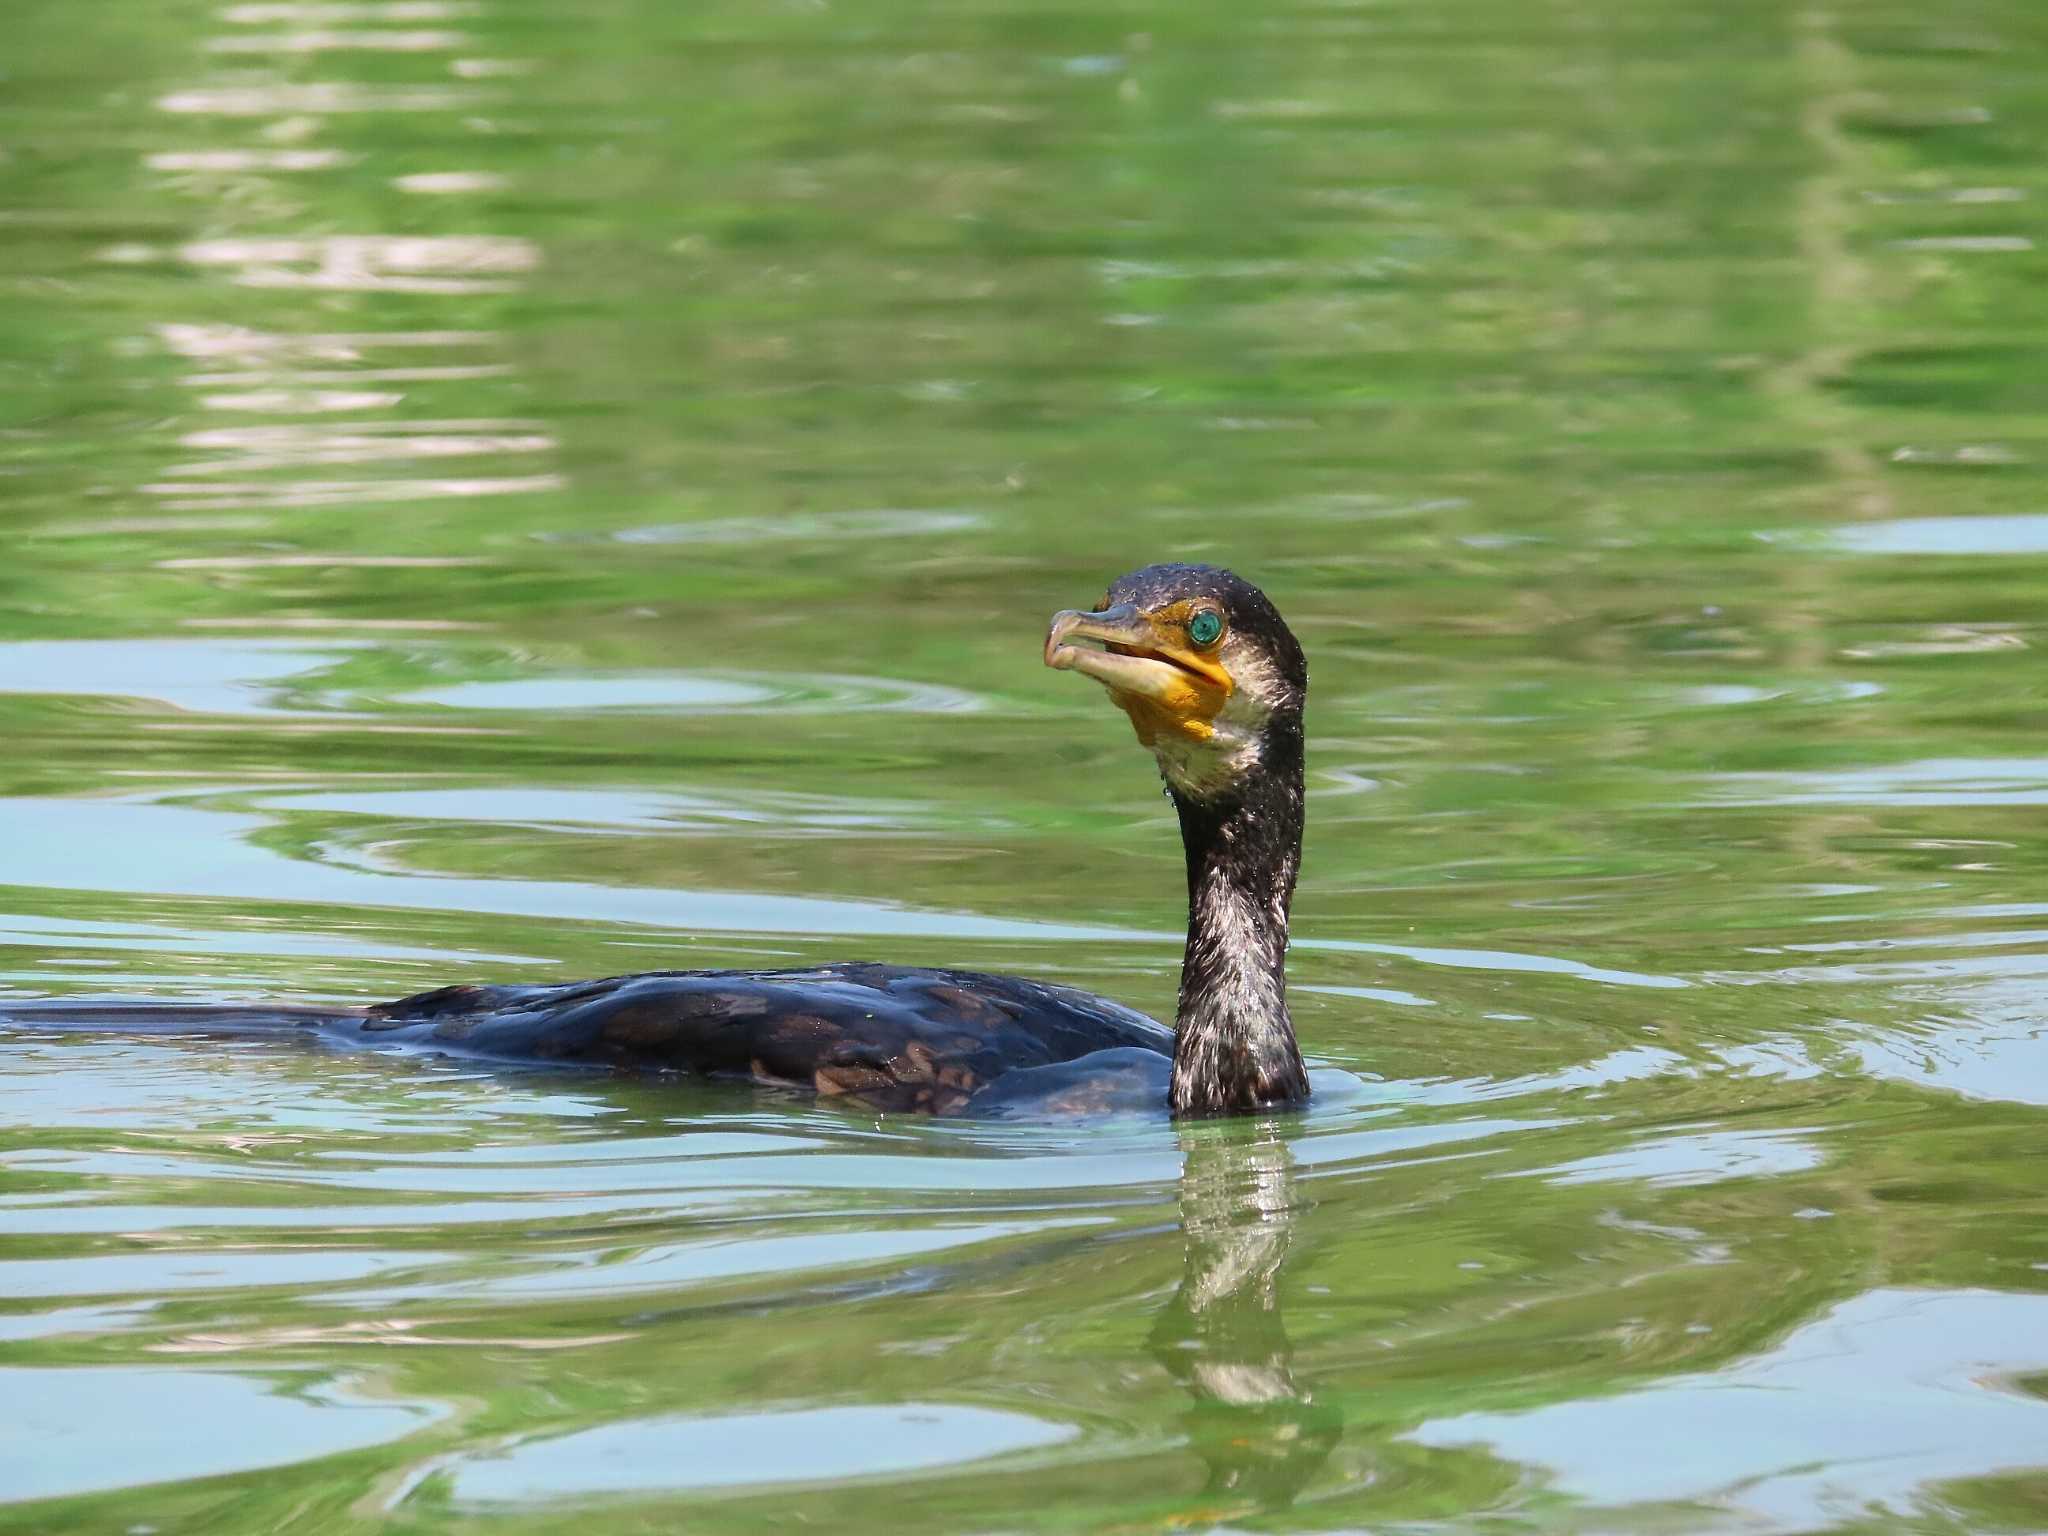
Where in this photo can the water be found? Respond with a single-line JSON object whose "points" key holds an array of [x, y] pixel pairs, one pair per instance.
{"points": [[496, 490]]}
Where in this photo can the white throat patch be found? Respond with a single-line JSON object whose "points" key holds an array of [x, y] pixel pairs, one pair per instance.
{"points": [[1201, 768]]}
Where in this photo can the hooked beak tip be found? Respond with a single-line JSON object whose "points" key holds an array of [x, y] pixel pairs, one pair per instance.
{"points": [[1058, 654]]}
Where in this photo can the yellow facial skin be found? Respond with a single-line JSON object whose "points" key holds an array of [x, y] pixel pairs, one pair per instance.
{"points": [[1169, 686]]}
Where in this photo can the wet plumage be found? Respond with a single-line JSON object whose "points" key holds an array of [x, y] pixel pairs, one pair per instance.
{"points": [[892, 1037]]}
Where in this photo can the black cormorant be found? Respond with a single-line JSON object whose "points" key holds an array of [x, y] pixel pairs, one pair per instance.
{"points": [[1214, 684]]}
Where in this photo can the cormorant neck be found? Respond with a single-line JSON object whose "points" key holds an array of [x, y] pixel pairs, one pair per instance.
{"points": [[1234, 1046]]}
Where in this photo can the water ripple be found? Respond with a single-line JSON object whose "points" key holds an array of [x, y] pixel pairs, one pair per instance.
{"points": [[737, 1450], [252, 1420], [685, 693], [1852, 1415]]}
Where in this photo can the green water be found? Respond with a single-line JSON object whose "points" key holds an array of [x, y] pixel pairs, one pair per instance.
{"points": [[501, 489]]}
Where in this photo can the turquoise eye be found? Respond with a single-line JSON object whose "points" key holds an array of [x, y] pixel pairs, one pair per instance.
{"points": [[1205, 627]]}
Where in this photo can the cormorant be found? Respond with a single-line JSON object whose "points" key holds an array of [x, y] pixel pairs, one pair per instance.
{"points": [[1214, 684]]}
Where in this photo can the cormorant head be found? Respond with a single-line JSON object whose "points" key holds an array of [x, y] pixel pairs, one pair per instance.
{"points": [[1210, 675]]}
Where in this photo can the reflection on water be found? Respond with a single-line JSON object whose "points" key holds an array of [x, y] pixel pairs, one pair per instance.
{"points": [[1261, 1434], [131, 1274], [368, 263], [802, 1445], [1936, 782], [244, 344], [440, 183], [328, 41], [285, 495], [317, 12], [692, 695], [567, 810], [808, 528], [317, 99], [190, 852], [82, 1415], [1850, 1417], [1701, 1159], [2016, 533], [668, 1269], [72, 933], [507, 492], [205, 676], [278, 677], [243, 160], [272, 446], [1985, 1039]]}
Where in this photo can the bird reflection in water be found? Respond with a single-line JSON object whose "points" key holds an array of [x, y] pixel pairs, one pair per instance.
{"points": [[1223, 1337]]}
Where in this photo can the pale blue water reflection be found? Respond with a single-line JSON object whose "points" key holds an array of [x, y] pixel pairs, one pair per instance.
{"points": [[677, 1454], [1854, 1416], [149, 1412]]}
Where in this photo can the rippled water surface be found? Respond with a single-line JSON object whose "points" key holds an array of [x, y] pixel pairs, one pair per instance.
{"points": [[500, 489]]}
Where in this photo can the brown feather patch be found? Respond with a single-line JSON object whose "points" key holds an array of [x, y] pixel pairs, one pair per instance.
{"points": [[832, 1081]]}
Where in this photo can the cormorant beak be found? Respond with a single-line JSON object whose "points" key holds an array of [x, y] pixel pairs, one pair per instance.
{"points": [[1146, 663]]}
